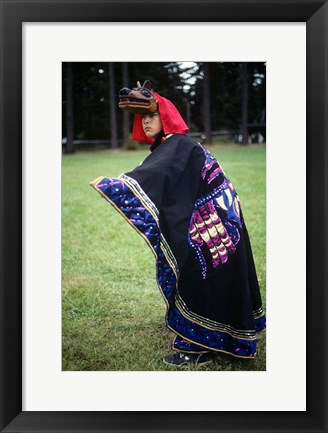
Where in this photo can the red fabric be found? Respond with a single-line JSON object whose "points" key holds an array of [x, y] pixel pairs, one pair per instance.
{"points": [[171, 120]]}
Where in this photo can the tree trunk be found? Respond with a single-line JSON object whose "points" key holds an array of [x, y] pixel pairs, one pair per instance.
{"points": [[244, 114], [207, 104], [126, 114], [70, 148], [112, 106], [188, 111]]}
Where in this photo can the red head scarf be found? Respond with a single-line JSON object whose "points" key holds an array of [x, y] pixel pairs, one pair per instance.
{"points": [[172, 121]]}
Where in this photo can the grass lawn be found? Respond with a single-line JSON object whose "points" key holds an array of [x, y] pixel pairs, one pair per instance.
{"points": [[112, 310]]}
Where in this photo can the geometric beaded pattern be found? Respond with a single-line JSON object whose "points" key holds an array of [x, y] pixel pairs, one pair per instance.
{"points": [[214, 229]]}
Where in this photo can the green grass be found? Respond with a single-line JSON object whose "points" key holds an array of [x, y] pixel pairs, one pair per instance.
{"points": [[112, 310]]}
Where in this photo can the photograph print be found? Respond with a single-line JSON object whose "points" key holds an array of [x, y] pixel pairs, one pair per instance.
{"points": [[175, 153]]}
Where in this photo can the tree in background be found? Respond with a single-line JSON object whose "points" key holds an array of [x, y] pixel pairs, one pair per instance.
{"points": [[244, 103], [209, 96], [126, 114], [70, 148], [207, 104], [112, 105]]}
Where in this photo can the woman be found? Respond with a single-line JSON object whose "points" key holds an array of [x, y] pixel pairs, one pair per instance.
{"points": [[182, 203]]}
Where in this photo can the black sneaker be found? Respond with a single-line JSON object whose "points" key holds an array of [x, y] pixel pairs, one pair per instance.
{"points": [[181, 359]]}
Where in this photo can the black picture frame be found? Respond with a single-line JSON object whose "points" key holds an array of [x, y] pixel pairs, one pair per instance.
{"points": [[13, 14]]}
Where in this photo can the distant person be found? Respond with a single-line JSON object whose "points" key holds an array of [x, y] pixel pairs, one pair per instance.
{"points": [[187, 210]]}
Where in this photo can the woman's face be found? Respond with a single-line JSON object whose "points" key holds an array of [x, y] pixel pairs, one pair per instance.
{"points": [[152, 124]]}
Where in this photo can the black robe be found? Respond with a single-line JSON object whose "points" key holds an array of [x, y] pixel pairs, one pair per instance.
{"points": [[181, 202]]}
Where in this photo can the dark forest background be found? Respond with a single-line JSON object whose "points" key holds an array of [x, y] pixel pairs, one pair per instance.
{"points": [[214, 98]]}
